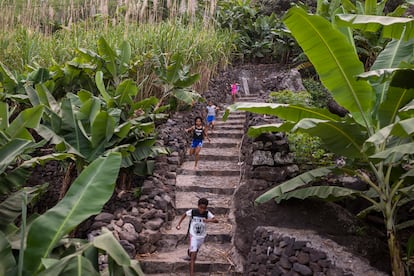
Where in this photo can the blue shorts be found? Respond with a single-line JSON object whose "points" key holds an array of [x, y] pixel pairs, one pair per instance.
{"points": [[196, 143], [210, 118]]}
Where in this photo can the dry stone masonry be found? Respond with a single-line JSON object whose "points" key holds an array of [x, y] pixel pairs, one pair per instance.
{"points": [[277, 251]]}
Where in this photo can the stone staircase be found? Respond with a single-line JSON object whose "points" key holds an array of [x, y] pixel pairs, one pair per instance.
{"points": [[216, 179]]}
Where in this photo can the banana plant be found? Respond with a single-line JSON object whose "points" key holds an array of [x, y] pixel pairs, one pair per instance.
{"points": [[47, 250], [17, 144], [88, 126], [376, 137], [175, 79]]}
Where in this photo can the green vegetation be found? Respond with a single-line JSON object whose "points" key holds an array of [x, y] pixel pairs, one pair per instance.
{"points": [[92, 88], [307, 149], [91, 78], [319, 94], [375, 138], [289, 97], [259, 37]]}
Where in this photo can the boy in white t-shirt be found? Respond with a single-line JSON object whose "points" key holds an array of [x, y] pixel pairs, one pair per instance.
{"points": [[197, 228], [211, 114]]}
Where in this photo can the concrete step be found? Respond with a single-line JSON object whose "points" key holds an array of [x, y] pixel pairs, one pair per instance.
{"points": [[212, 257], [211, 166], [211, 184], [230, 121], [228, 127], [225, 134], [214, 156], [218, 154], [221, 130], [207, 172], [235, 115], [218, 204], [221, 143], [237, 112]]}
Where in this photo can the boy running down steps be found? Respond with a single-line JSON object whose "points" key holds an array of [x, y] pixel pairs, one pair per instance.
{"points": [[211, 114], [197, 228]]}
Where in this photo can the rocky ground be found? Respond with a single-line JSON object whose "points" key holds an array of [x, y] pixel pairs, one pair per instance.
{"points": [[149, 214]]}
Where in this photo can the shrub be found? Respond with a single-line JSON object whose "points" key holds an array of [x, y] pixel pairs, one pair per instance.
{"points": [[319, 94], [307, 148], [289, 97]]}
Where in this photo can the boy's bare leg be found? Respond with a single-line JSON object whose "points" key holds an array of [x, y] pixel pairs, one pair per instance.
{"points": [[197, 151], [193, 256]]}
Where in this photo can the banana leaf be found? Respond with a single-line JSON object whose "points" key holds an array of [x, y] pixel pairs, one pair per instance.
{"points": [[407, 111], [293, 113], [7, 262], [293, 184], [395, 52], [405, 224], [321, 192], [103, 127], [125, 92], [394, 154], [186, 96], [10, 151], [7, 79], [255, 131], [343, 138], [28, 118], [71, 265], [124, 56], [107, 242], [109, 56], [41, 160], [85, 197], [11, 207], [101, 87], [4, 115], [49, 135], [13, 180], [335, 60], [392, 27]]}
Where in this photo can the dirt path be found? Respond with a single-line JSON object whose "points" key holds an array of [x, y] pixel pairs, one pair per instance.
{"points": [[216, 179]]}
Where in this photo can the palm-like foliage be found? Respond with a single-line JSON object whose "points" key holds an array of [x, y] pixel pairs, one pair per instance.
{"points": [[377, 134], [39, 247]]}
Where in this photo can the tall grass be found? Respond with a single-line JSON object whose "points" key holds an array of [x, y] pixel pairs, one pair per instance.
{"points": [[205, 49], [44, 32], [48, 15]]}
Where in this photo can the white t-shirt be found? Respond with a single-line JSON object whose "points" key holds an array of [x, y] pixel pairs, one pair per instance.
{"points": [[197, 224], [211, 110]]}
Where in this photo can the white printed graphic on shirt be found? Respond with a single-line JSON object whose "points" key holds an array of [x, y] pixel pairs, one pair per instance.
{"points": [[198, 227]]}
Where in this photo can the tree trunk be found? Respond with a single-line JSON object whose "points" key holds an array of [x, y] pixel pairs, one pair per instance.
{"points": [[394, 247], [67, 180]]}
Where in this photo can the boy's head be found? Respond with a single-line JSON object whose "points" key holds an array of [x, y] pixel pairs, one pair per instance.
{"points": [[202, 205], [198, 121]]}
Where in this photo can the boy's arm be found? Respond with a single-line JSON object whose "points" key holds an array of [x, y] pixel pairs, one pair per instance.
{"points": [[213, 219], [189, 129], [178, 227]]}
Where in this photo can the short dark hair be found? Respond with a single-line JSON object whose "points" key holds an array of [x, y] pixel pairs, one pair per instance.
{"points": [[203, 201], [198, 117]]}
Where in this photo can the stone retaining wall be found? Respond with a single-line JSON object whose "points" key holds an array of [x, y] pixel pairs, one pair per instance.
{"points": [[278, 251]]}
